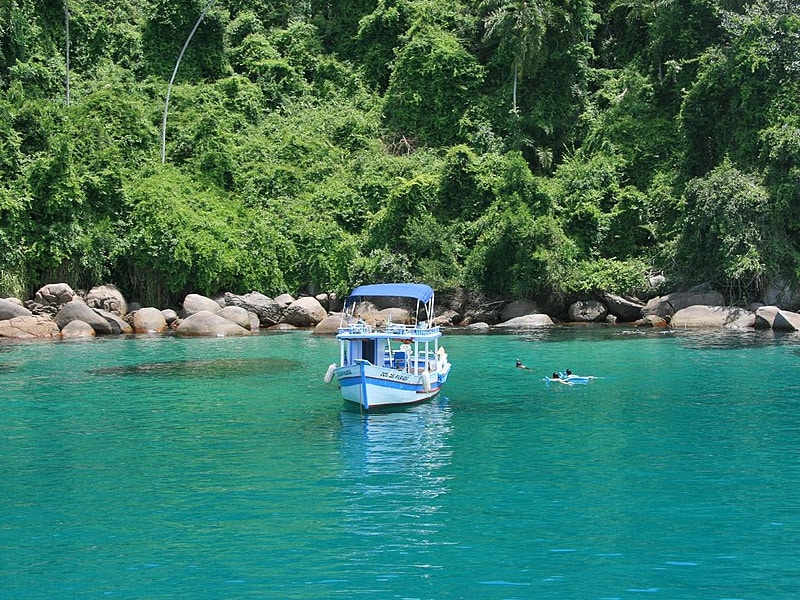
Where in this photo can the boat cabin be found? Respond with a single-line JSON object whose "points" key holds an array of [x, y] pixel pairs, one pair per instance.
{"points": [[413, 349]]}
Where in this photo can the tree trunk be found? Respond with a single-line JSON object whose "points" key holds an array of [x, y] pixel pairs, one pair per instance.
{"points": [[172, 80], [66, 26], [515, 89]]}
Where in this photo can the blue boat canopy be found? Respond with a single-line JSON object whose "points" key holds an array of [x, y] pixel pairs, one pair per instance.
{"points": [[418, 291]]}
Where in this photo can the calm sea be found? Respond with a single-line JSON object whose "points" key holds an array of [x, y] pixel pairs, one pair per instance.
{"points": [[164, 468]]}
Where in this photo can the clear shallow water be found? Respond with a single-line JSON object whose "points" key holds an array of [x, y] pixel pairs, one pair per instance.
{"points": [[222, 468]]}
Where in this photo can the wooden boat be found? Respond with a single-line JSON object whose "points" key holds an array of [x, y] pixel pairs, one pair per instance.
{"points": [[399, 363]]}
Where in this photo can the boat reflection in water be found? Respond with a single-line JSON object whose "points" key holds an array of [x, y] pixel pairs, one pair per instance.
{"points": [[396, 476]]}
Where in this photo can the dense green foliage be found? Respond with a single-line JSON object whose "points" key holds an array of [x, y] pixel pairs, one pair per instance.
{"points": [[523, 148]]}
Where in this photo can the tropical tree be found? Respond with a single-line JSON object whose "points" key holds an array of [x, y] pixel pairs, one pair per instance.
{"points": [[66, 47], [517, 254], [433, 81], [519, 27], [182, 235], [729, 236]]}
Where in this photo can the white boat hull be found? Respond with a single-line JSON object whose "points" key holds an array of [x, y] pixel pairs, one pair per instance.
{"points": [[371, 386]]}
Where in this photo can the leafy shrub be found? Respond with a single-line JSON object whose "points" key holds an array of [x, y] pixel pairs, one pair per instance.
{"points": [[518, 255], [188, 237], [729, 235], [590, 277], [604, 216], [432, 84]]}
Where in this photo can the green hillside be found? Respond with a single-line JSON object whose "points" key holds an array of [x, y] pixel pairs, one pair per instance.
{"points": [[547, 149]]}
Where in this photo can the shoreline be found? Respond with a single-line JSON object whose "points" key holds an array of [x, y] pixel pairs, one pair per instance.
{"points": [[58, 312]]}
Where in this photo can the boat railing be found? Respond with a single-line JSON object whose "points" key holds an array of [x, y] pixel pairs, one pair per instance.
{"points": [[406, 360], [356, 329], [425, 329], [411, 330], [397, 328], [425, 361]]}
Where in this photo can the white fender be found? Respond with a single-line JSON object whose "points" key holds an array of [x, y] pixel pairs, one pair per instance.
{"points": [[329, 373], [426, 381]]}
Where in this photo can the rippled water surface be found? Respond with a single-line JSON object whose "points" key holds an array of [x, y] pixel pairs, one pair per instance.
{"points": [[226, 468]]}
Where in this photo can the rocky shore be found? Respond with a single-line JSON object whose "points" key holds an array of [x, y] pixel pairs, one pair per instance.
{"points": [[58, 311]]}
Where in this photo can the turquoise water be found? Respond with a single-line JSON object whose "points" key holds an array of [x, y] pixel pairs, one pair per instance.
{"points": [[225, 468]]}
